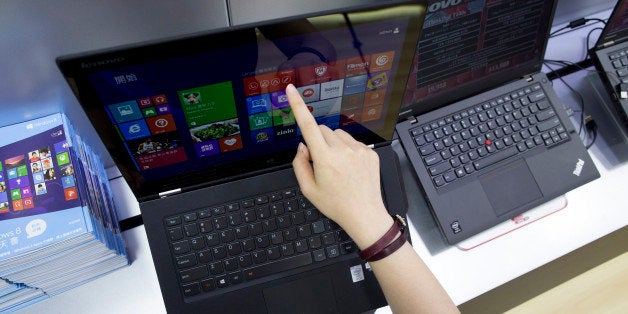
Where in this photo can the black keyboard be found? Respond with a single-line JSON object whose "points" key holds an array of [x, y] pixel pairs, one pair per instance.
{"points": [[224, 248], [481, 135], [619, 60]]}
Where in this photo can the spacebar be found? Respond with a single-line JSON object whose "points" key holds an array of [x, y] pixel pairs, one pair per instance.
{"points": [[278, 266], [499, 156]]}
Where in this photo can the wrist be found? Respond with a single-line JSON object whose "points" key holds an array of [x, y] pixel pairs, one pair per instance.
{"points": [[370, 228]]}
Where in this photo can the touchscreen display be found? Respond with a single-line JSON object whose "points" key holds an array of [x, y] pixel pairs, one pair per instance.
{"points": [[214, 106]]}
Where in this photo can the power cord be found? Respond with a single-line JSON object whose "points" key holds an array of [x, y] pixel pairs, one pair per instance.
{"points": [[591, 127], [575, 25]]}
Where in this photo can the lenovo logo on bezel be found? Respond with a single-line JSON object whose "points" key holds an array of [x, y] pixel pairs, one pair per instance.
{"points": [[87, 65]]}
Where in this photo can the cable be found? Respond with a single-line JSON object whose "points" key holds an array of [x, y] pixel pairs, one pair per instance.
{"points": [[591, 127], [575, 25], [589, 37]]}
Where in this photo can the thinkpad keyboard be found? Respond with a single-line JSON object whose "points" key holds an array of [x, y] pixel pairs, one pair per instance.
{"points": [[481, 135], [225, 247]]}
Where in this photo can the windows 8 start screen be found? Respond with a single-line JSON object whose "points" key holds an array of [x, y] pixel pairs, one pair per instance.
{"points": [[228, 104]]}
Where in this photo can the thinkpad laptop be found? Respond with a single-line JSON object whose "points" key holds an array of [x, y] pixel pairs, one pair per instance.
{"points": [[202, 131], [610, 55], [482, 127]]}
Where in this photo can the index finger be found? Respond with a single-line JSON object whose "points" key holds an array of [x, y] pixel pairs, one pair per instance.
{"points": [[309, 128]]}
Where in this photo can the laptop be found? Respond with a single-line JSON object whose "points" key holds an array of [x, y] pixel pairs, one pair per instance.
{"points": [[610, 55], [201, 130], [481, 125]]}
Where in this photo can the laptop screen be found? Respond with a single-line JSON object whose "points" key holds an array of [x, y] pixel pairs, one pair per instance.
{"points": [[616, 29], [183, 112], [468, 46]]}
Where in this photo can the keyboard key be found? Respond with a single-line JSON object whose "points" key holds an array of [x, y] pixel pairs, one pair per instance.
{"points": [[205, 226], [212, 239], [318, 226], [204, 256], [173, 221], [175, 234], [245, 260], [440, 168], [314, 242], [546, 125], [544, 115], [186, 261], [191, 289], [208, 285], [181, 247], [332, 251], [193, 274], [189, 217], [235, 277], [216, 268], [273, 253], [197, 243]]}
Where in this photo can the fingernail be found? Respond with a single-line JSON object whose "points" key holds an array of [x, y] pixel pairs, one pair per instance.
{"points": [[290, 88]]}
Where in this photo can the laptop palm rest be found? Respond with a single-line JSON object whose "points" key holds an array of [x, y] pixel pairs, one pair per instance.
{"points": [[312, 294], [509, 187]]}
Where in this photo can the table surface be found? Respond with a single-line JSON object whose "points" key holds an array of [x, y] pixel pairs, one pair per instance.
{"points": [[592, 211]]}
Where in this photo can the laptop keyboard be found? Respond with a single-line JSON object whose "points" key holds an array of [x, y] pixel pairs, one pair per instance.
{"points": [[619, 59], [224, 247], [481, 135]]}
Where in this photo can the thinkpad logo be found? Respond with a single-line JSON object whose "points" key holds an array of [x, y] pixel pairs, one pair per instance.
{"points": [[455, 227], [579, 166]]}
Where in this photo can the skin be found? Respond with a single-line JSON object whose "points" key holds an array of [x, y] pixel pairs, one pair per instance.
{"points": [[340, 176]]}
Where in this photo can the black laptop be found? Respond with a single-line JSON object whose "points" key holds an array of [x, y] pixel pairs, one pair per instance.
{"points": [[482, 127], [201, 129], [610, 55]]}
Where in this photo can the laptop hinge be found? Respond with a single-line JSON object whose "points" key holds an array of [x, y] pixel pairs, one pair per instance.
{"points": [[606, 44], [412, 119], [528, 78], [168, 193]]}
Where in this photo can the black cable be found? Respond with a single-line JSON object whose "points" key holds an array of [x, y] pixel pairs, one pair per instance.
{"points": [[575, 25], [591, 127], [589, 37], [594, 138]]}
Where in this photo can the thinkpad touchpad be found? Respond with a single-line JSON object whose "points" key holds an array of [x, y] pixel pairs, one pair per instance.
{"points": [[510, 187]]}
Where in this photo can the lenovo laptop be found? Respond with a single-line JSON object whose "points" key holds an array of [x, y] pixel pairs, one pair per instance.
{"points": [[610, 55], [202, 131], [481, 125]]}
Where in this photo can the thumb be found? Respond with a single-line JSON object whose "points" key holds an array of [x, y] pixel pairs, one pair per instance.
{"points": [[303, 169]]}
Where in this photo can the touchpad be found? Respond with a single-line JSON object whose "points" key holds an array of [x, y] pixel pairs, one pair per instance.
{"points": [[510, 187], [314, 294]]}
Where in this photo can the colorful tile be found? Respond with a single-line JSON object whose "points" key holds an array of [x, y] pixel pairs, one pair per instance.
{"points": [[125, 111]]}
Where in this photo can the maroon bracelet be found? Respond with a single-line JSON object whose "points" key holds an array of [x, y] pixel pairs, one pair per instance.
{"points": [[391, 248], [385, 240]]}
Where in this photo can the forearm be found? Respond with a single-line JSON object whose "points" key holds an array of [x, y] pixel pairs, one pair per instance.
{"points": [[409, 286]]}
